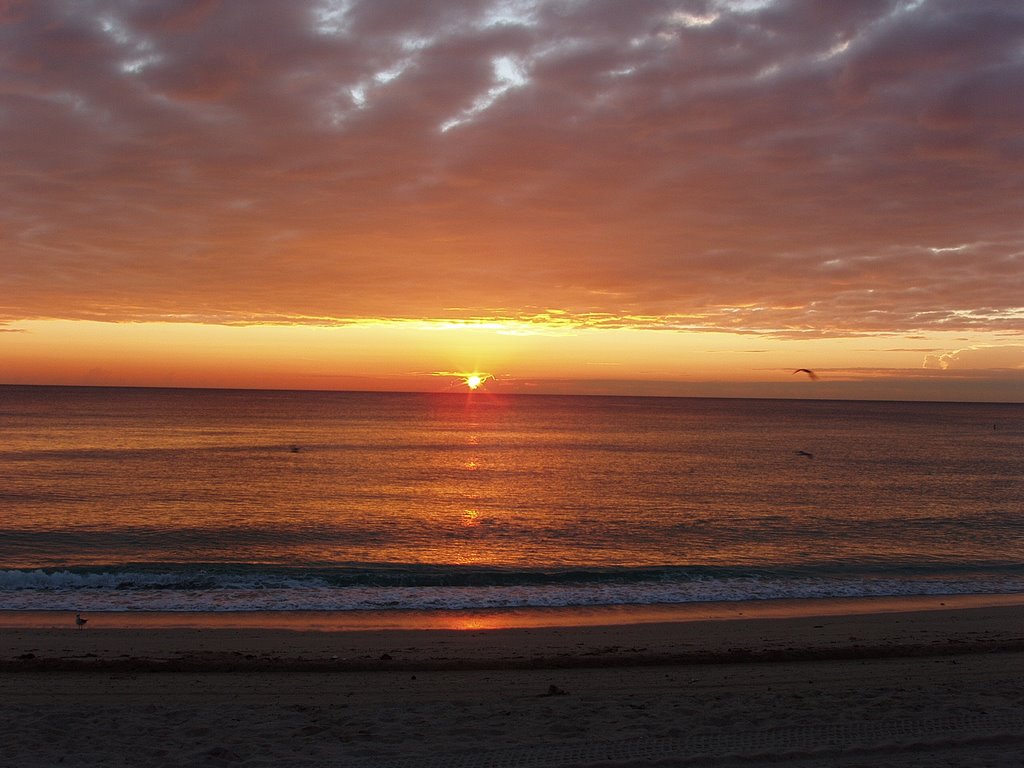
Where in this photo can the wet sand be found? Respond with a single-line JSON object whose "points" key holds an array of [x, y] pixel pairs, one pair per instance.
{"points": [[929, 687]]}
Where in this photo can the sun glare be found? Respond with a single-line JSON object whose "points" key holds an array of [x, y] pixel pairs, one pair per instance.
{"points": [[472, 380], [475, 380]]}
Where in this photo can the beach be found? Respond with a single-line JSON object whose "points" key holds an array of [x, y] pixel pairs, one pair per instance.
{"points": [[936, 685]]}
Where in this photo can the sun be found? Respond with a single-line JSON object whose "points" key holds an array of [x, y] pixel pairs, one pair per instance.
{"points": [[472, 380], [475, 380]]}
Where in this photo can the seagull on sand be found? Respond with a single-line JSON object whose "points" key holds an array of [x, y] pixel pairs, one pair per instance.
{"points": [[79, 621], [808, 371]]}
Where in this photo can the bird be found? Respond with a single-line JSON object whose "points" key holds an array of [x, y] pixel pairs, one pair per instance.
{"points": [[79, 621], [808, 454], [808, 371]]}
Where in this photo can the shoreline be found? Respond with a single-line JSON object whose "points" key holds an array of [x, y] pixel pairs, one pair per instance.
{"points": [[861, 630], [504, 618]]}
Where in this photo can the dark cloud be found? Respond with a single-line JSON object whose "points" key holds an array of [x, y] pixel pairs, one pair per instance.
{"points": [[791, 168]]}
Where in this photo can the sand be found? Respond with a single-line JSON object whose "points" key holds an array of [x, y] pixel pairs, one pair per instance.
{"points": [[930, 687]]}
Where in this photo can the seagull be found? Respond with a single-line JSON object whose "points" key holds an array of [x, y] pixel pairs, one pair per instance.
{"points": [[808, 371], [79, 621], [808, 454]]}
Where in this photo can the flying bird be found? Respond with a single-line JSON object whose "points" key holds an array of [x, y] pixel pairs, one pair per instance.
{"points": [[79, 621], [808, 454], [808, 371]]}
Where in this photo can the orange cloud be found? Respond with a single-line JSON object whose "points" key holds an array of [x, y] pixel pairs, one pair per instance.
{"points": [[1009, 357], [795, 170]]}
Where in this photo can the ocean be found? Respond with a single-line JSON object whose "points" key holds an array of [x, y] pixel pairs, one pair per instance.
{"points": [[223, 500]]}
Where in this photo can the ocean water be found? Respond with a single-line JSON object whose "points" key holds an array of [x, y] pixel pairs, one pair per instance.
{"points": [[206, 500]]}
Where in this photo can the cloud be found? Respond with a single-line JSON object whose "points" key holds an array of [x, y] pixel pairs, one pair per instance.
{"points": [[1009, 357], [786, 168]]}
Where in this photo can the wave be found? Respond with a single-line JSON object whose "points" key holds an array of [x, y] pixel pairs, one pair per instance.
{"points": [[349, 588]]}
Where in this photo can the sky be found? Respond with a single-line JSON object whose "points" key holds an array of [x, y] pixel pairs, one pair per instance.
{"points": [[606, 197]]}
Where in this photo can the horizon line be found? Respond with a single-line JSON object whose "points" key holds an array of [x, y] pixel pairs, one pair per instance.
{"points": [[489, 394]]}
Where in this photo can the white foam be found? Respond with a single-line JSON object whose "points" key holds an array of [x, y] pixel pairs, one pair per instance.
{"points": [[64, 590]]}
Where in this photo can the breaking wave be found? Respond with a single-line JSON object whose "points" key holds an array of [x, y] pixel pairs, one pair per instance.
{"points": [[218, 587]]}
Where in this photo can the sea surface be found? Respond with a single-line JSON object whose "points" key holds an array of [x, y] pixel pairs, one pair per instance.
{"points": [[218, 500]]}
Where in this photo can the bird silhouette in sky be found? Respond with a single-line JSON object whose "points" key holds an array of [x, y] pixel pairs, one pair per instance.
{"points": [[808, 371]]}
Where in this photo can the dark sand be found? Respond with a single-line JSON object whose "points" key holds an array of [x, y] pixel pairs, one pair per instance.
{"points": [[934, 686]]}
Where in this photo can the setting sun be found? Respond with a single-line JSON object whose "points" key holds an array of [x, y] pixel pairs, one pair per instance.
{"points": [[473, 381]]}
